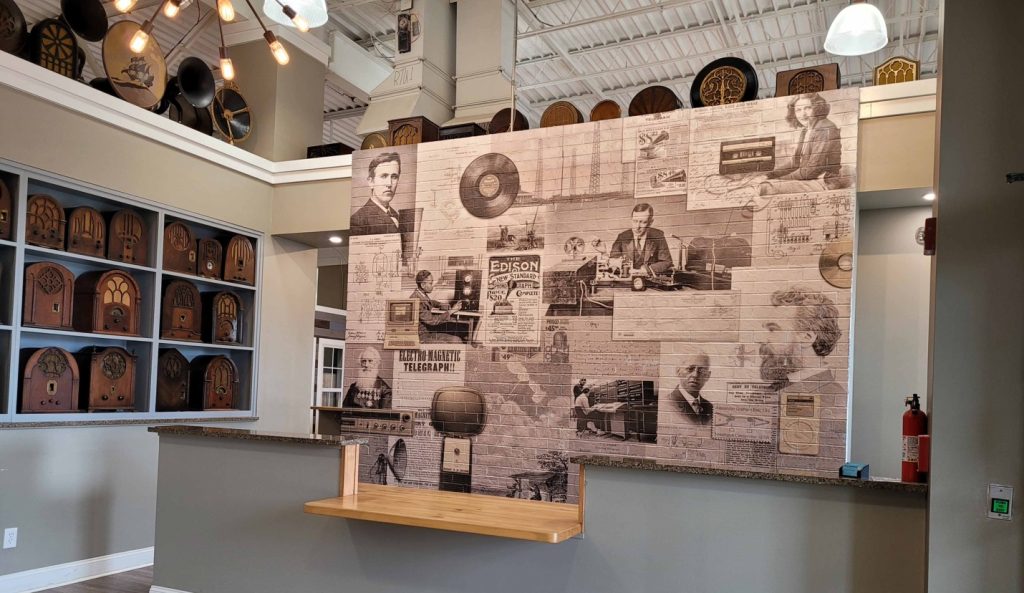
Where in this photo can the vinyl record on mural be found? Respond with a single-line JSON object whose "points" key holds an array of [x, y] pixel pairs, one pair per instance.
{"points": [[87, 18], [137, 78], [13, 28], [489, 185], [724, 81], [836, 263]]}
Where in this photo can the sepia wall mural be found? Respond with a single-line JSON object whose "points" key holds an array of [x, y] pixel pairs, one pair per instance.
{"points": [[672, 286]]}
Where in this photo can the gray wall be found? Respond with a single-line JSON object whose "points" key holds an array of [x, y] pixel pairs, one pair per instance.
{"points": [[978, 385], [890, 333], [229, 520]]}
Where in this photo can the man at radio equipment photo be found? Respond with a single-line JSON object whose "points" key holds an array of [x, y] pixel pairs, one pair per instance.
{"points": [[436, 324], [643, 246]]}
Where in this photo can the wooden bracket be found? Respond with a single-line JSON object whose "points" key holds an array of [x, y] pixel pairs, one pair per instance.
{"points": [[348, 472]]}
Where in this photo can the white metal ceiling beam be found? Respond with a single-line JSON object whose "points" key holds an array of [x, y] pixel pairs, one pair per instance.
{"points": [[797, 61], [527, 15], [196, 30], [677, 59], [704, 27], [613, 16]]}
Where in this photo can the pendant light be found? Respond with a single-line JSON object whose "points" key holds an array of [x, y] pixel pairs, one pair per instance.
{"points": [[172, 8], [276, 48], [858, 29], [140, 39], [225, 10], [227, 68], [300, 14], [124, 5]]}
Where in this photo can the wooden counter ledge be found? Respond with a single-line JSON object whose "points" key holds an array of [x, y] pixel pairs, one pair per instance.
{"points": [[549, 522]]}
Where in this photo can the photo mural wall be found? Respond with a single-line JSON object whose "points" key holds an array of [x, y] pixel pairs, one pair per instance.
{"points": [[672, 286]]}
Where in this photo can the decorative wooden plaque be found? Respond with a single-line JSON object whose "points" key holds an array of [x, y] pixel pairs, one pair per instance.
{"points": [[49, 382], [182, 308], [214, 383], [240, 261], [606, 109], [210, 259], [654, 99], [87, 232], [807, 80], [128, 241], [54, 47], [412, 130], [898, 69], [223, 320], [107, 303], [172, 381], [108, 377], [179, 249], [44, 222], [49, 291], [560, 113]]}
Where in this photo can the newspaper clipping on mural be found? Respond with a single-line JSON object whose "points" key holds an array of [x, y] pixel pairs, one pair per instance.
{"points": [[513, 301]]}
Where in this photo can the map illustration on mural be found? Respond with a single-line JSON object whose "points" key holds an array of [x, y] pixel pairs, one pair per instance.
{"points": [[673, 286]]}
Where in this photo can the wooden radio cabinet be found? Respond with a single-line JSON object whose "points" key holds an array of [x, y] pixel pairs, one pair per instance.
{"points": [[179, 249], [128, 240], [214, 383], [222, 322], [44, 222], [210, 259], [108, 379], [6, 211], [87, 232], [172, 381], [107, 303], [182, 308], [49, 381], [49, 293], [240, 261]]}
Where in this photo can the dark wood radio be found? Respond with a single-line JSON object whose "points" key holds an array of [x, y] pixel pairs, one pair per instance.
{"points": [[172, 381], [108, 375], [128, 241], [107, 303], [181, 309], [87, 232], [6, 211], [210, 259], [49, 381], [214, 383], [49, 290], [44, 222], [179, 249], [240, 261], [412, 130], [222, 323]]}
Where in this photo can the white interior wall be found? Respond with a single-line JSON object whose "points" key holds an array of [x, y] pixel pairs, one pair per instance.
{"points": [[891, 333]]}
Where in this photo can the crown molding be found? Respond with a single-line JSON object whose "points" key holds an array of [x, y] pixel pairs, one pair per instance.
{"points": [[30, 79]]}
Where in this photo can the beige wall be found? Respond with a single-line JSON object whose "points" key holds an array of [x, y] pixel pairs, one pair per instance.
{"points": [[896, 152], [77, 493], [312, 206], [35, 133]]}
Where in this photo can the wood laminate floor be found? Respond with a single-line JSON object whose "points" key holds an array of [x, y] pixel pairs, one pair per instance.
{"points": [[133, 581]]}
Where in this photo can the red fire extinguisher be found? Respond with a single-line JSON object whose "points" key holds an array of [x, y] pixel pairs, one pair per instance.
{"points": [[915, 424]]}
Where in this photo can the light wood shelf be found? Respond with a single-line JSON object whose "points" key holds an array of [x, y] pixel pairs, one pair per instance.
{"points": [[531, 520]]}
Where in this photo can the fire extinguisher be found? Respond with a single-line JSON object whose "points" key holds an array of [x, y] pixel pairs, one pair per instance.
{"points": [[915, 424]]}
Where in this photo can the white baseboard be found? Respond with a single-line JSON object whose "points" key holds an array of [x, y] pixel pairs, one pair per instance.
{"points": [[58, 575], [155, 589]]}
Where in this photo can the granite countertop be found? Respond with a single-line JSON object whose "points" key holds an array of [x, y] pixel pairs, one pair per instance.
{"points": [[126, 421], [335, 441], [649, 464]]}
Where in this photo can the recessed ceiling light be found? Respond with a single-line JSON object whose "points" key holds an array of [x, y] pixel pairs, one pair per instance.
{"points": [[928, 197], [337, 240]]}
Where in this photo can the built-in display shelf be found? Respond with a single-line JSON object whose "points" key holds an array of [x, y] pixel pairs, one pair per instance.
{"points": [[45, 253], [187, 344], [90, 336], [200, 281]]}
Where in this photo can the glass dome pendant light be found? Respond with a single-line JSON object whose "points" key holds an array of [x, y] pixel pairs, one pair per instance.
{"points": [[298, 14], [857, 30]]}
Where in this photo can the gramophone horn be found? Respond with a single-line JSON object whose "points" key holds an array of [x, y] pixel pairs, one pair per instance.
{"points": [[196, 82], [87, 18], [169, 94]]}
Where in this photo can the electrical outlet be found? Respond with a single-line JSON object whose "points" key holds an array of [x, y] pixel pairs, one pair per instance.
{"points": [[10, 537]]}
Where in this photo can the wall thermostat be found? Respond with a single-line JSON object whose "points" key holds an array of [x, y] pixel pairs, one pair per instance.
{"points": [[1000, 501]]}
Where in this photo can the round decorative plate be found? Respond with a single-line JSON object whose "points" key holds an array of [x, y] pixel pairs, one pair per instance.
{"points": [[724, 81], [137, 78]]}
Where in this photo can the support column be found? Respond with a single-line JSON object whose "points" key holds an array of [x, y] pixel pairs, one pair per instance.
{"points": [[483, 67], [422, 83], [287, 101]]}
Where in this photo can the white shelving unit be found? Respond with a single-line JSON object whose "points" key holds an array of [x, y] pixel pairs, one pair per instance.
{"points": [[17, 342]]}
